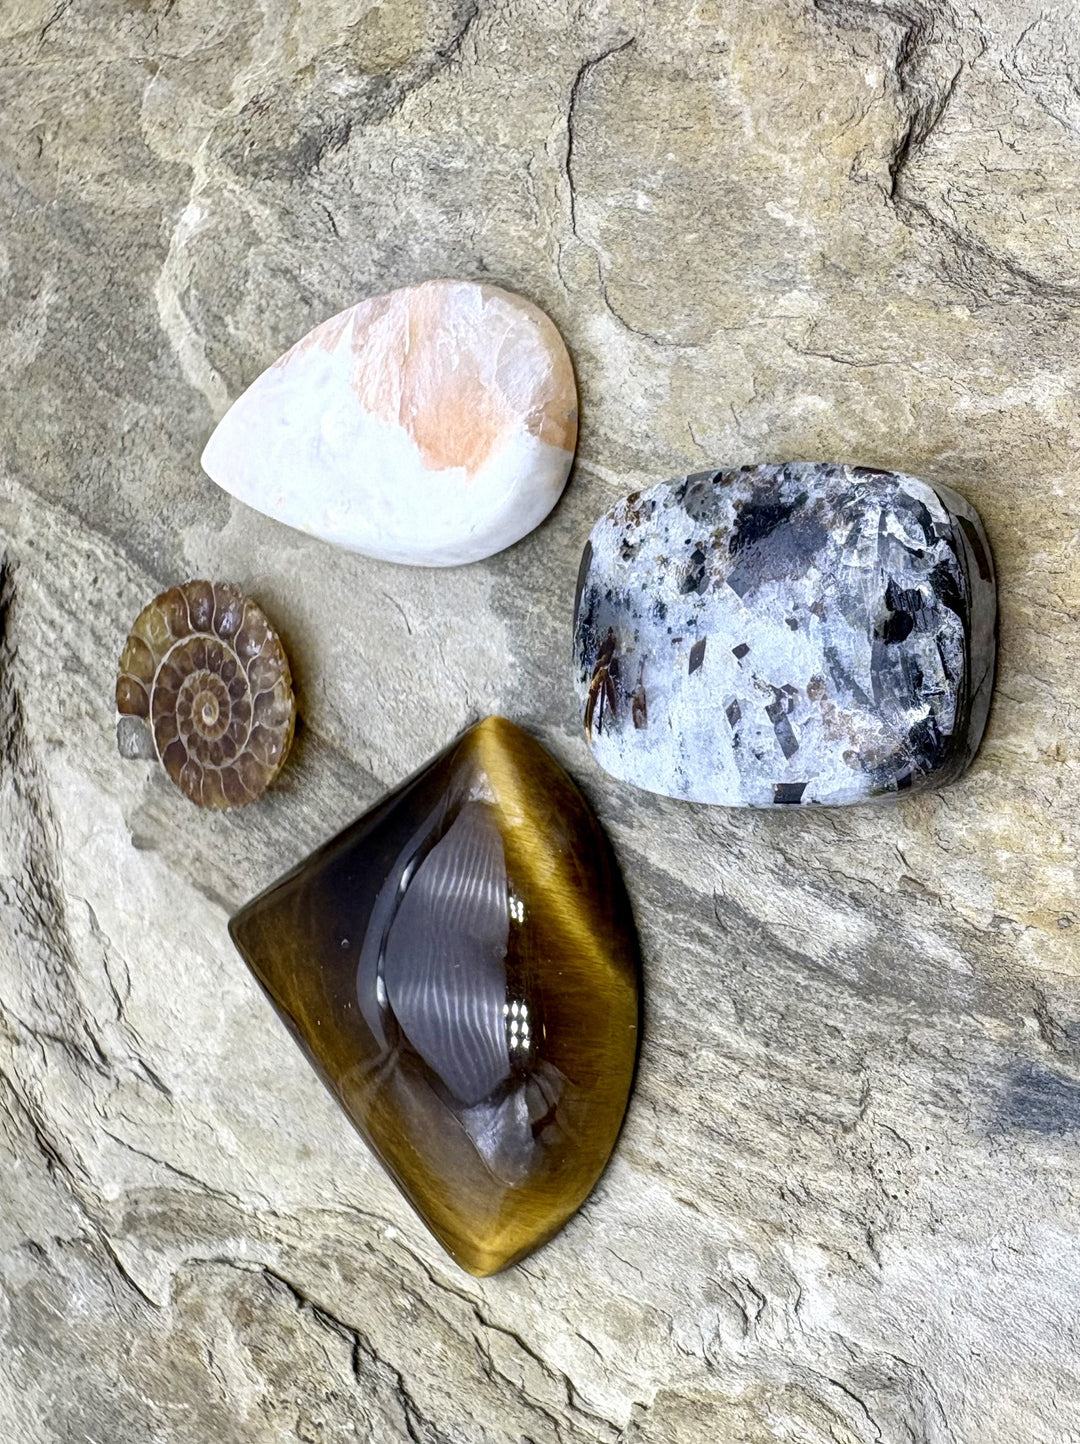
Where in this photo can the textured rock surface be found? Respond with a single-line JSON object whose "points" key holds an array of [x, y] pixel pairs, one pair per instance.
{"points": [[844, 1204], [777, 635], [434, 426]]}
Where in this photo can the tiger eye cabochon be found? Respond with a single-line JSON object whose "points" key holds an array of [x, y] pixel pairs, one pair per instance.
{"points": [[206, 675], [461, 968]]}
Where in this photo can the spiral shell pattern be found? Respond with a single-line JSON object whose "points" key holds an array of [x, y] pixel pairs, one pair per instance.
{"points": [[208, 674]]}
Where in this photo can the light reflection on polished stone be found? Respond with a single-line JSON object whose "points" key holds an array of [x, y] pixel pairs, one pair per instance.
{"points": [[461, 967]]}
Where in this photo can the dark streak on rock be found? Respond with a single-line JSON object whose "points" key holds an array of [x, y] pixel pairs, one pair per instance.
{"points": [[1038, 1100], [584, 70], [926, 70], [32, 900], [267, 146]]}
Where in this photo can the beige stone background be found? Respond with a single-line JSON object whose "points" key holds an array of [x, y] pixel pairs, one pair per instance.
{"points": [[845, 1206]]}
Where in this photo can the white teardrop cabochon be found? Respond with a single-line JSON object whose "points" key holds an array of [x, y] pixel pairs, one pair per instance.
{"points": [[432, 426]]}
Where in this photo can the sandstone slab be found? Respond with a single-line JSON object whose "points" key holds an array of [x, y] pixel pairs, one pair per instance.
{"points": [[843, 1206]]}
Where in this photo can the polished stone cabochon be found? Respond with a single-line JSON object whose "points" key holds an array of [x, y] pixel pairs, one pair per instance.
{"points": [[784, 634], [461, 968], [431, 426]]}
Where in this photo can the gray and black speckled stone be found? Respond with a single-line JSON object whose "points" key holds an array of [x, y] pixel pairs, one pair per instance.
{"points": [[786, 634]]}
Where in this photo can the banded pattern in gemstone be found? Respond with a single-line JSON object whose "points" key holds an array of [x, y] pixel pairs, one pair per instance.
{"points": [[461, 968]]}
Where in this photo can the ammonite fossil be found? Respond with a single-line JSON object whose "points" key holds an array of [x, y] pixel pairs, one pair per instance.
{"points": [[204, 684]]}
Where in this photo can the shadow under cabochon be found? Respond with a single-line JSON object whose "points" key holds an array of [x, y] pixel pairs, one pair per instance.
{"points": [[772, 635], [432, 426], [461, 968]]}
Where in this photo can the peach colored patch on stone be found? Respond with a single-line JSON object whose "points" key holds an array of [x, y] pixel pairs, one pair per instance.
{"points": [[458, 366]]}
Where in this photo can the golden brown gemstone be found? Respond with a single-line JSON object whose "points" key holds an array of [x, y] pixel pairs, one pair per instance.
{"points": [[461, 968], [204, 684]]}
